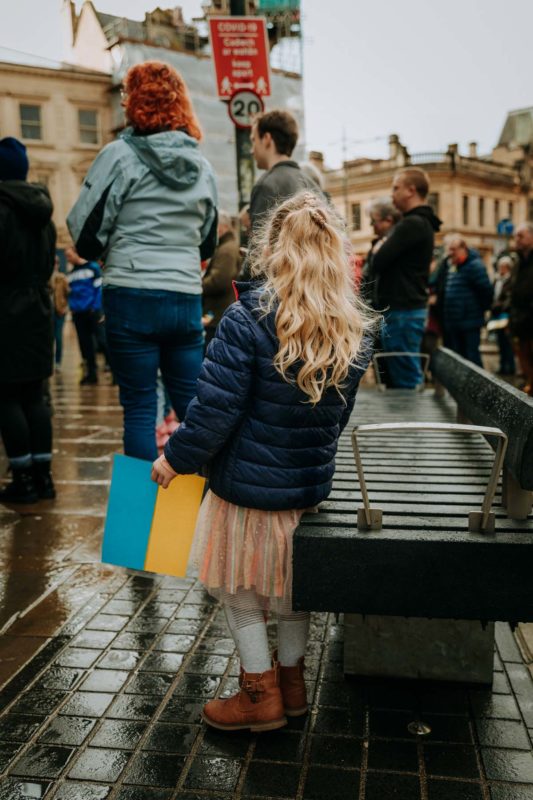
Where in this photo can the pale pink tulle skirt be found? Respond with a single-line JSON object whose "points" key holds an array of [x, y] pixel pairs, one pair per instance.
{"points": [[236, 547]]}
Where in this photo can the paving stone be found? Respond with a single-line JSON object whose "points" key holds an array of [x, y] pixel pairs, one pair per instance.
{"points": [[168, 738], [21, 789], [174, 643], [118, 733], [454, 790], [67, 730], [207, 665], [197, 686], [503, 733], [219, 774], [497, 706], [335, 784], [133, 641], [218, 743], [190, 627], [133, 707], [216, 645], [150, 769], [87, 704], [391, 787], [73, 790], [77, 657], [150, 683], [271, 780], [510, 792], [340, 720], [59, 678], [143, 793], [42, 761], [508, 765], [8, 751], [453, 761], [20, 727], [183, 710], [94, 639], [120, 659], [107, 622], [162, 662], [334, 751], [38, 701], [397, 756], [105, 680], [97, 764], [145, 625]]}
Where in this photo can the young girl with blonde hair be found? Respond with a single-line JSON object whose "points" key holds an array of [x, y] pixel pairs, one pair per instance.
{"points": [[276, 389]]}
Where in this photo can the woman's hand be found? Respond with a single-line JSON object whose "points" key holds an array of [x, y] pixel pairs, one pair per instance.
{"points": [[162, 472]]}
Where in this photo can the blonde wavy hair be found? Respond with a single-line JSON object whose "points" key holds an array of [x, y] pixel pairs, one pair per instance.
{"points": [[303, 257]]}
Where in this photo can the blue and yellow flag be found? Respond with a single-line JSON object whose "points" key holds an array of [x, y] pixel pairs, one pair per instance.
{"points": [[148, 527]]}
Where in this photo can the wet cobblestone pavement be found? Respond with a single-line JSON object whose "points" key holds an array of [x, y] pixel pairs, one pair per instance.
{"points": [[104, 673]]}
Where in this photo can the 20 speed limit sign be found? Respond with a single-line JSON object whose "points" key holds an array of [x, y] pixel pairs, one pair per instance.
{"points": [[243, 106]]}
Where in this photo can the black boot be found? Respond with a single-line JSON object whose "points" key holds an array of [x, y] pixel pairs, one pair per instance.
{"points": [[90, 379], [42, 478], [21, 489]]}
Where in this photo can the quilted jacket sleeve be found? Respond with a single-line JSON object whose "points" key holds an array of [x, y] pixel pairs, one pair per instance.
{"points": [[222, 394]]}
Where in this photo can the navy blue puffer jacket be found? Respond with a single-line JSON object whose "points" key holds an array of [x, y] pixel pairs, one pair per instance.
{"points": [[266, 446], [467, 294]]}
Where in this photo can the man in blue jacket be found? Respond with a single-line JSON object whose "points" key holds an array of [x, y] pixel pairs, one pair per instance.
{"points": [[466, 293]]}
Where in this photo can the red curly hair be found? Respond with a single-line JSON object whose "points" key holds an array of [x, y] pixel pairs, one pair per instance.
{"points": [[157, 100]]}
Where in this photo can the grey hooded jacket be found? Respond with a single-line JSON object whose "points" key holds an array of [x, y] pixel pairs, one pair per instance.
{"points": [[148, 209]]}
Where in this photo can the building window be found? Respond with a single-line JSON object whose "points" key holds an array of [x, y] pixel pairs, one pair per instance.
{"points": [[465, 209], [88, 124], [511, 210], [433, 202], [30, 122], [356, 216], [481, 212], [496, 211]]}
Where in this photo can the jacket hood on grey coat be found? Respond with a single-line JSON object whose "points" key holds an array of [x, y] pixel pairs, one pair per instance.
{"points": [[176, 168]]}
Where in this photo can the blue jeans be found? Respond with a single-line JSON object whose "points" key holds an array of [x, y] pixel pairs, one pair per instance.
{"points": [[402, 332], [465, 343], [58, 336], [149, 330]]}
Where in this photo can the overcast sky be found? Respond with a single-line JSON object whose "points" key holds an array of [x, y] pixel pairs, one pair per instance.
{"points": [[434, 73]]}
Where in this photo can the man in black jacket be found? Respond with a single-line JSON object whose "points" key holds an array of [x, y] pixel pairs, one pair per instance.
{"points": [[402, 266]]}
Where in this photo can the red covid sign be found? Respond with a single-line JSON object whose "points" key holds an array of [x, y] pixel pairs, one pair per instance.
{"points": [[240, 54]]}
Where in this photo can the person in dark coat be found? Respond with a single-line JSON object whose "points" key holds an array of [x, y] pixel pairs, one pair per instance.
{"points": [[276, 389], [217, 280], [499, 322], [28, 237], [521, 314], [467, 295], [401, 265]]}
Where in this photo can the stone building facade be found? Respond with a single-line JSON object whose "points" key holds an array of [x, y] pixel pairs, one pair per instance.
{"points": [[469, 193], [63, 116]]}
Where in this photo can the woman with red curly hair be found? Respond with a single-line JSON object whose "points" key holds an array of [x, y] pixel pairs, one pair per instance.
{"points": [[148, 209]]}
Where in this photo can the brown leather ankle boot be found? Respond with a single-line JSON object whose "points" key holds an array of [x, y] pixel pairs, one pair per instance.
{"points": [[257, 706], [293, 689]]}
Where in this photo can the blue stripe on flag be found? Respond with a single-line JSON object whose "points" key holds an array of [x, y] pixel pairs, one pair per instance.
{"points": [[129, 513]]}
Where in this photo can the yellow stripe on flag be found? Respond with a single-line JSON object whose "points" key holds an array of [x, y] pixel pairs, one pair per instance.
{"points": [[173, 524]]}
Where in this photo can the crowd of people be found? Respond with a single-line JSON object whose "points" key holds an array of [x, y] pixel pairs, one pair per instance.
{"points": [[261, 388]]}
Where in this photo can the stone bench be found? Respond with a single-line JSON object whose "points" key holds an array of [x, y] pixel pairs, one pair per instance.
{"points": [[421, 593]]}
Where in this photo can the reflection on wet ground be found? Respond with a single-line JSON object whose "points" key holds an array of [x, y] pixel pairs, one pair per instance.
{"points": [[104, 674]]}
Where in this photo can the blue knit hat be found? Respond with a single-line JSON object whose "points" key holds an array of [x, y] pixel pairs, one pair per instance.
{"points": [[14, 164]]}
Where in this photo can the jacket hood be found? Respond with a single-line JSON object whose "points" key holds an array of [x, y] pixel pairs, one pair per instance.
{"points": [[31, 200], [427, 213], [172, 156]]}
